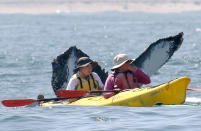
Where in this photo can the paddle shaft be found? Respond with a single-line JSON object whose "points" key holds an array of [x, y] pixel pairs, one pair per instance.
{"points": [[49, 99], [25, 102], [79, 93], [102, 91], [193, 89]]}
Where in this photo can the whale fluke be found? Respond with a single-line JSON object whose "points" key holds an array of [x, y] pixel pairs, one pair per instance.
{"points": [[63, 67], [158, 53]]}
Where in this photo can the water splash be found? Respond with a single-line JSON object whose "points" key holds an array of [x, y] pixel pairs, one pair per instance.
{"points": [[198, 29], [193, 99]]}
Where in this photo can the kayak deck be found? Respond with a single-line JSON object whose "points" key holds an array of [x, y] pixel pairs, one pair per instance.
{"points": [[173, 92]]}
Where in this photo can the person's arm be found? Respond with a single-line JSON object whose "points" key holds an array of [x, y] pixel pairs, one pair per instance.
{"points": [[97, 78], [109, 85], [72, 84], [119, 82], [142, 77]]}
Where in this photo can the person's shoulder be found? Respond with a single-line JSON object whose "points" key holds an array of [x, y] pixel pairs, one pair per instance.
{"points": [[72, 83], [94, 73], [73, 77], [139, 71], [111, 76], [121, 74]]}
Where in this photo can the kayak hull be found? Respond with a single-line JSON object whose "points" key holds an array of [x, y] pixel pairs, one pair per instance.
{"points": [[173, 92]]}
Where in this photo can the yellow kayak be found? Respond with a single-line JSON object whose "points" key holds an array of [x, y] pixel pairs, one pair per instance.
{"points": [[173, 92]]}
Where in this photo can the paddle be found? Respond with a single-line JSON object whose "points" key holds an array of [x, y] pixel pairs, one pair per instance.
{"points": [[76, 93], [25, 102], [64, 94], [193, 89]]}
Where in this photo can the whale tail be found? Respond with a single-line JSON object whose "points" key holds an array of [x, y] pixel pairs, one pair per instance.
{"points": [[64, 65]]}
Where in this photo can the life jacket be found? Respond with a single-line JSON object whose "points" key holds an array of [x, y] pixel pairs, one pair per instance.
{"points": [[89, 84], [126, 73]]}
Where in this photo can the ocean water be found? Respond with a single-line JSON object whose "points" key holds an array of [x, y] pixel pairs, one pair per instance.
{"points": [[29, 43]]}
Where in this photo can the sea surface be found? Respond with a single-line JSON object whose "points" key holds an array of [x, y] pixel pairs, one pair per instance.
{"points": [[29, 43]]}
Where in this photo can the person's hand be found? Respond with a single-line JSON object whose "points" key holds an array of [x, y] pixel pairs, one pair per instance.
{"points": [[87, 94], [117, 89], [100, 88], [132, 68]]}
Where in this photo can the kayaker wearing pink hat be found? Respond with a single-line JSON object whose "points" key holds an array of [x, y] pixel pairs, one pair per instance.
{"points": [[84, 78], [124, 76]]}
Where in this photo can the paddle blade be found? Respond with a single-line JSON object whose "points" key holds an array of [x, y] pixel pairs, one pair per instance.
{"points": [[193, 89], [71, 93], [16, 103]]}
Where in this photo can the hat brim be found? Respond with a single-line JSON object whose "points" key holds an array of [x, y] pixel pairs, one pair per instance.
{"points": [[117, 66], [93, 63]]}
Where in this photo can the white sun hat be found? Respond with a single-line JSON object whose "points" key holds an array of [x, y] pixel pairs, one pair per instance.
{"points": [[119, 60]]}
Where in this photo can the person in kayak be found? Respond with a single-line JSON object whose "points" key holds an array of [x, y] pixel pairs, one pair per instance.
{"points": [[84, 78], [124, 76]]}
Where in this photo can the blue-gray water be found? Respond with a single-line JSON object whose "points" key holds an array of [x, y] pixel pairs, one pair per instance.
{"points": [[29, 43]]}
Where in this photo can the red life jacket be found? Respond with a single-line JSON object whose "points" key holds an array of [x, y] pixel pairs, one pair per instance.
{"points": [[125, 80]]}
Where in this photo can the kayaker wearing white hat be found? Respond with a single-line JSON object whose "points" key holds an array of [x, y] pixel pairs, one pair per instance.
{"points": [[84, 78], [124, 76]]}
